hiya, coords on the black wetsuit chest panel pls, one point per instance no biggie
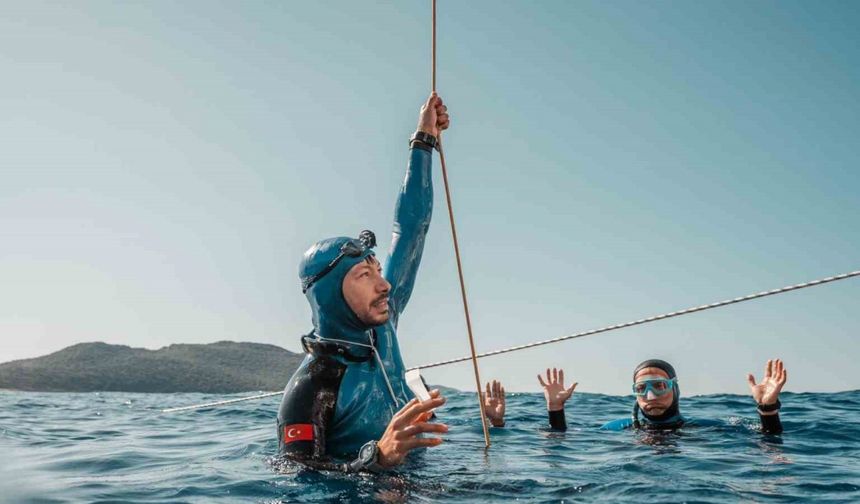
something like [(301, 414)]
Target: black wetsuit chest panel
[(309, 403)]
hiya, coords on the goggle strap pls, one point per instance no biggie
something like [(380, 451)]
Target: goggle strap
[(367, 240)]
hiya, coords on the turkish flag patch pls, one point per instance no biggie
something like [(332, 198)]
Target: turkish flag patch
[(298, 432)]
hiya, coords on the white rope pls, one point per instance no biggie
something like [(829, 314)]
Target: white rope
[(372, 348), (649, 319), (220, 403), (564, 338)]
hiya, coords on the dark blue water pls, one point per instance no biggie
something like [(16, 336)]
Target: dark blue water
[(117, 447)]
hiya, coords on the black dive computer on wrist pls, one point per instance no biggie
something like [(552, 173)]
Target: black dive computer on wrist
[(368, 459), (767, 408), (423, 140)]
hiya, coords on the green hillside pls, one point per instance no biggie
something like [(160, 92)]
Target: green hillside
[(222, 367)]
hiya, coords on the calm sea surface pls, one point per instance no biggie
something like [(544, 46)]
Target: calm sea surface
[(117, 447)]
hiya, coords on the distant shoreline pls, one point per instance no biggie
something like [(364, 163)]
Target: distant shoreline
[(224, 367)]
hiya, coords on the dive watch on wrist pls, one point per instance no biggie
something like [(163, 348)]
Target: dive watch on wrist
[(368, 459), (767, 408), (423, 140)]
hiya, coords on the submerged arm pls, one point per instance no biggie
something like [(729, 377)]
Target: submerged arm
[(770, 423), (557, 420), (306, 414)]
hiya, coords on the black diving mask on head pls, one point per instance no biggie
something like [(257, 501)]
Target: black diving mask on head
[(353, 248)]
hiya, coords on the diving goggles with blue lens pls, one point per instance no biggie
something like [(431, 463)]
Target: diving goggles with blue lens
[(657, 386), (352, 248)]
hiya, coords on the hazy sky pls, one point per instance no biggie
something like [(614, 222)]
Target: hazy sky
[(164, 165)]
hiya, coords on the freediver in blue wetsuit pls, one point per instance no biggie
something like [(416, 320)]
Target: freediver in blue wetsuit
[(349, 395), (655, 385)]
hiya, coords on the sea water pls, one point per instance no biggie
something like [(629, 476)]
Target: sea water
[(118, 447)]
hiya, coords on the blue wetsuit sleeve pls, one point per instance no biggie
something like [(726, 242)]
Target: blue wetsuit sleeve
[(702, 422), (411, 222), (618, 425)]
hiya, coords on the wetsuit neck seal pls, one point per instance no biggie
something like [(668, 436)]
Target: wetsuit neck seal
[(342, 348), (675, 421), (320, 347)]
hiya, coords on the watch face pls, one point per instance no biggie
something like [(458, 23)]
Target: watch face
[(366, 453)]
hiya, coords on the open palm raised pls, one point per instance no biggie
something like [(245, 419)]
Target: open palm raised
[(775, 376), (553, 389), (494, 403)]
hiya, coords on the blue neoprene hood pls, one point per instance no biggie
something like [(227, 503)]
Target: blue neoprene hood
[(332, 316)]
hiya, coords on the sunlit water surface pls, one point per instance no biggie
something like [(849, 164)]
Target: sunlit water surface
[(117, 447)]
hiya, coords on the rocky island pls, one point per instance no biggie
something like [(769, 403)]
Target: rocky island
[(222, 367)]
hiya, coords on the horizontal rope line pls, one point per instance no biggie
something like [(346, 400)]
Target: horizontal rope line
[(220, 403), (649, 319), (572, 336)]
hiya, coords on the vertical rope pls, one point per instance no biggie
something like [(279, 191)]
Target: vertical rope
[(457, 254), (433, 58)]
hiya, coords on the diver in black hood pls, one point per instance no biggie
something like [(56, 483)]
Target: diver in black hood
[(655, 385)]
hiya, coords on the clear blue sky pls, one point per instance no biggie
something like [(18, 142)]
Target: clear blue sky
[(165, 164)]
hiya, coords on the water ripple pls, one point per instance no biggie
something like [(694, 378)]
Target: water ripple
[(111, 447)]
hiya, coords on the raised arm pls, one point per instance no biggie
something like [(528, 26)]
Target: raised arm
[(494, 403), (414, 209), (766, 395), (556, 395)]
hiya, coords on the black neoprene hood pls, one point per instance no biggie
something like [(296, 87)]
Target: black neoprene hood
[(656, 363), (673, 410)]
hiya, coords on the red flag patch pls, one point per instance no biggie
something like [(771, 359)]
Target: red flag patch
[(298, 432)]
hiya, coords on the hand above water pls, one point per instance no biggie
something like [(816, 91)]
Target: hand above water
[(553, 389), (494, 403), (401, 435), (767, 392), (433, 117)]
